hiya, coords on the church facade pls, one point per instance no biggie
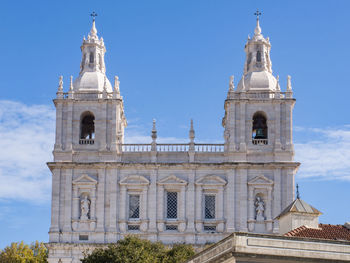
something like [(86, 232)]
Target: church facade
[(104, 189)]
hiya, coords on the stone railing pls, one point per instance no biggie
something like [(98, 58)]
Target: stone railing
[(264, 95), (86, 141), (175, 147), (260, 141), (136, 147), (85, 95)]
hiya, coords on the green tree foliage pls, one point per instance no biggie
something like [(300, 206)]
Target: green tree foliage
[(23, 253), (132, 249)]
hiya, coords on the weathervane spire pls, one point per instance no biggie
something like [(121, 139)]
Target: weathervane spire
[(298, 195), (93, 15), (257, 30)]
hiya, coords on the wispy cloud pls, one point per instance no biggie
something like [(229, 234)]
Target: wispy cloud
[(326, 155), (27, 137)]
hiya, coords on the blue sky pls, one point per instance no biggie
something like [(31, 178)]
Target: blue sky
[(174, 59)]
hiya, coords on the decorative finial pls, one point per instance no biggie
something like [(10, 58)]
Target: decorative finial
[(93, 15), (278, 88), (116, 84), (232, 85), (71, 84), (60, 84), (289, 83), (257, 13), (93, 31), (191, 133), (243, 85), (298, 195), (70, 92), (154, 131), (257, 30)]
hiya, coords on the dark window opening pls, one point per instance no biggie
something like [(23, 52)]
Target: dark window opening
[(258, 56), (87, 128), (91, 59), (171, 205), (259, 126)]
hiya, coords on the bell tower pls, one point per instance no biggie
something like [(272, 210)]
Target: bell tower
[(258, 115), (90, 124), (90, 116)]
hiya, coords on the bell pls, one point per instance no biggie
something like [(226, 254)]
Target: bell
[(259, 133)]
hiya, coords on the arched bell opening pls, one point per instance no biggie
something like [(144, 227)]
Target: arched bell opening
[(260, 129), (87, 128)]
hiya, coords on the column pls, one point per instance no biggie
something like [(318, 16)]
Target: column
[(268, 205), (102, 128), (242, 124), (278, 126), (152, 208), (144, 202), (55, 200), (100, 211), (68, 201), (232, 125), (289, 123), (75, 213), (230, 201), (251, 205), (113, 122), (289, 187), (198, 208), (160, 208), (69, 137), (113, 186), (277, 209), (242, 199), (190, 202), (122, 206), (182, 203), (93, 204), (277, 198), (58, 144)]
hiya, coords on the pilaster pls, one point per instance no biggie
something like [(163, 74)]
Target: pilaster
[(100, 207), (230, 200)]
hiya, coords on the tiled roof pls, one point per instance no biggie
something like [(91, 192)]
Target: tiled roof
[(299, 206), (331, 232)]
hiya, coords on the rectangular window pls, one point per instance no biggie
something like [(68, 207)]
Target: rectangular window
[(210, 228), (209, 206), (170, 227), (171, 205), (134, 206), (133, 227), (83, 237)]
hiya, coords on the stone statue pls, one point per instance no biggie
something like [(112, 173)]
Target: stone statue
[(85, 208), (259, 209), (232, 85)]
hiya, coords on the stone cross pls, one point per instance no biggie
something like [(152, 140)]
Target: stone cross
[(257, 13), (93, 15)]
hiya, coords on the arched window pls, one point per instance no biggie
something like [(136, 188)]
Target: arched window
[(91, 58), (87, 128), (258, 56), (249, 60), (259, 133)]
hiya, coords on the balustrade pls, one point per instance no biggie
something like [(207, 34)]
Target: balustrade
[(260, 141), (86, 141), (176, 147)]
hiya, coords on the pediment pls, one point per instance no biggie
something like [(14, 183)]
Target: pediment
[(211, 180), (134, 180), (85, 179), (172, 180), (260, 180)]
